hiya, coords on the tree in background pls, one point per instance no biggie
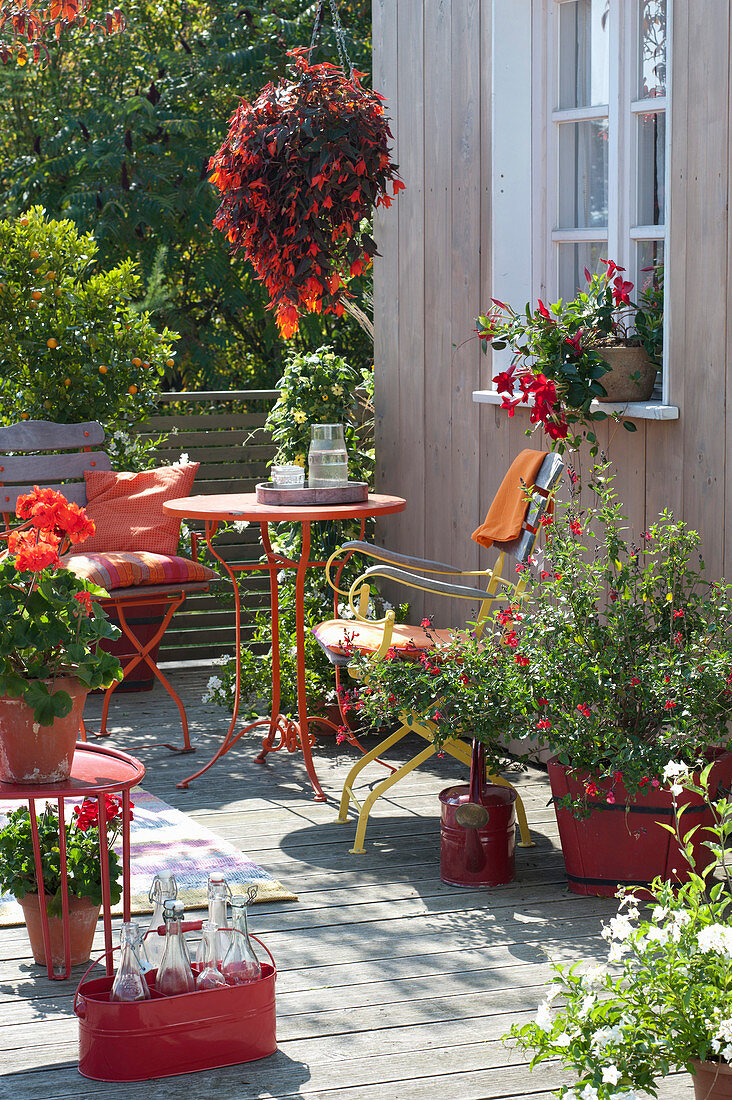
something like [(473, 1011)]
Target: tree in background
[(116, 135)]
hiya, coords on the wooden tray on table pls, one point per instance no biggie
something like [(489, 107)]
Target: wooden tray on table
[(352, 493)]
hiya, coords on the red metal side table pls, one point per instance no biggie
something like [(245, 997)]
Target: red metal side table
[(95, 772), (238, 507)]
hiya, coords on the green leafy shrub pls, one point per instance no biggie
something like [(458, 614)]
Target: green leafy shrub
[(73, 346)]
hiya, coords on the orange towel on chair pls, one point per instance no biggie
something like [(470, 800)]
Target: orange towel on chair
[(508, 510)]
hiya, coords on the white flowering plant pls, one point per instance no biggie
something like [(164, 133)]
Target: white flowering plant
[(663, 1000)]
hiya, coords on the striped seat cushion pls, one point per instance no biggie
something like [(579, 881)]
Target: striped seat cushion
[(124, 569), (335, 635)]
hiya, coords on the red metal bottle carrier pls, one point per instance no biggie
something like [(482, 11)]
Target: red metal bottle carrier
[(165, 1036)]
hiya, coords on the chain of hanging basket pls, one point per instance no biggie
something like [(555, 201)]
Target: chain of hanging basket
[(300, 172)]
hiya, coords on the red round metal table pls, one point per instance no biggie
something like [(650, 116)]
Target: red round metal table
[(95, 772), (244, 507)]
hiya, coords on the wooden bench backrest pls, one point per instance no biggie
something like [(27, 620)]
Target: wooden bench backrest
[(25, 461)]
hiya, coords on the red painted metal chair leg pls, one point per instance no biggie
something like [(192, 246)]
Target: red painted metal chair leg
[(143, 654)]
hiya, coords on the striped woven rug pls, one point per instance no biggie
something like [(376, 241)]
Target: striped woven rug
[(163, 838)]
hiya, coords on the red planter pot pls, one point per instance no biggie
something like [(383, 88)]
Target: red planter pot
[(83, 917), (31, 753), (624, 844), (712, 1081)]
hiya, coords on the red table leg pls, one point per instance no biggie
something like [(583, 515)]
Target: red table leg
[(230, 738)]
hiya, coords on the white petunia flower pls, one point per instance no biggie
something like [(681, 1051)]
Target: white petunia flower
[(588, 1002), (589, 1092), (610, 1075), (616, 952), (606, 1035), (716, 937), (543, 1017), (563, 1040), (595, 975), (240, 525)]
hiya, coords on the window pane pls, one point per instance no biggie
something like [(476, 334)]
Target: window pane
[(649, 257), (573, 259), (582, 174), (652, 48), (651, 169), (584, 54)]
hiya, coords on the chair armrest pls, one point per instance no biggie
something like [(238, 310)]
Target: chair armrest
[(395, 558), (429, 584)]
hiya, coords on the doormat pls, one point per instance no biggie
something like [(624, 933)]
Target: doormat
[(164, 839)]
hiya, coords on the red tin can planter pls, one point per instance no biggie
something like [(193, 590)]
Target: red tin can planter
[(169, 1036), (623, 844), (487, 858)]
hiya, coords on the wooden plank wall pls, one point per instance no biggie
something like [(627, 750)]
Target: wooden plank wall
[(434, 446)]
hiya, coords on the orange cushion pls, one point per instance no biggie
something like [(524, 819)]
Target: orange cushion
[(121, 569), (127, 508), (366, 637)]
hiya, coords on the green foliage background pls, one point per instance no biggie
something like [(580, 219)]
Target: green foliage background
[(116, 135)]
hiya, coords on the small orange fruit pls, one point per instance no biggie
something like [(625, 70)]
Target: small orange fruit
[(136, 362), (35, 254), (34, 305), (50, 275), (132, 390), (146, 366), (52, 343), (67, 381), (24, 221), (170, 362), (47, 404), (102, 369), (58, 292), (24, 416), (36, 295)]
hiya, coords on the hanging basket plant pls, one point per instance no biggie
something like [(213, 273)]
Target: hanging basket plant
[(300, 171)]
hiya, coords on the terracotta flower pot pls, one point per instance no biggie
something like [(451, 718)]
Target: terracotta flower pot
[(712, 1081), (83, 917), (31, 753), (632, 373), (622, 843)]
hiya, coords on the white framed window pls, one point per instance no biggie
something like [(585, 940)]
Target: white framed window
[(604, 140), (579, 149)]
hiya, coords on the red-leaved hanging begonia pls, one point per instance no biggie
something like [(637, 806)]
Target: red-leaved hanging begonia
[(300, 169), (26, 27)]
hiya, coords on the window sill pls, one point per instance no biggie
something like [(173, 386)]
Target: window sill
[(633, 410)]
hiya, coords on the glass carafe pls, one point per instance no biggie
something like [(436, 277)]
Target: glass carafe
[(129, 981), (174, 973), (218, 894), (210, 976), (327, 457), (241, 965), (164, 888)]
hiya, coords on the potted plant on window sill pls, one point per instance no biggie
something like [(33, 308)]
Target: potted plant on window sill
[(83, 873), (598, 347), (660, 1003), (628, 660), (49, 658)]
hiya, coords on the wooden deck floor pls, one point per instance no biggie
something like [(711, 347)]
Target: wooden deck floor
[(391, 985)]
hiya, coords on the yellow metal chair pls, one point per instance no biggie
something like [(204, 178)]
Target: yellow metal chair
[(376, 637)]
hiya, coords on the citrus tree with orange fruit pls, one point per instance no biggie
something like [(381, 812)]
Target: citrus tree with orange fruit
[(73, 344)]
